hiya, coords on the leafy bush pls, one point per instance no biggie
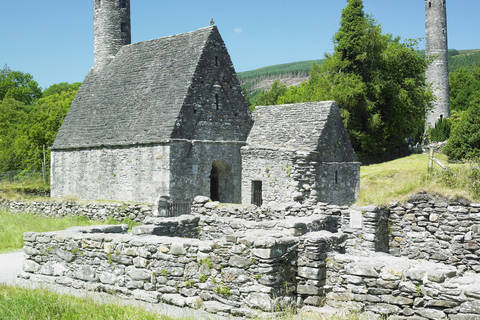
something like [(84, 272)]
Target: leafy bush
[(442, 129), (464, 142)]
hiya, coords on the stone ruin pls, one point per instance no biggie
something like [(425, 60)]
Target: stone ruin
[(417, 260)]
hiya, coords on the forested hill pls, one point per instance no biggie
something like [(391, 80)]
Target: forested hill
[(292, 74)]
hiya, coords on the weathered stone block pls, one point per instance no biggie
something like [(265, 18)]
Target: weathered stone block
[(86, 273), (175, 299), (361, 269), (312, 273), (470, 307)]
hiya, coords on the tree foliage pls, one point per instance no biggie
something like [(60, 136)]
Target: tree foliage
[(13, 116), (441, 131), (27, 122), (269, 97), (464, 88), (19, 86), (45, 120), (464, 142), (58, 88), (377, 80)]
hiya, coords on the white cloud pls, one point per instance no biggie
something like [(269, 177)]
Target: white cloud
[(238, 30)]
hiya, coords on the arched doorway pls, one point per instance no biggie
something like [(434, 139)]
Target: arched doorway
[(214, 195)]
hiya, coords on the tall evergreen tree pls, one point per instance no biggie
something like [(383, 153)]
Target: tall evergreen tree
[(349, 40), (377, 81)]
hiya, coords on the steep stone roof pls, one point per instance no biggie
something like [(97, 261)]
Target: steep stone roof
[(309, 126), (137, 97)]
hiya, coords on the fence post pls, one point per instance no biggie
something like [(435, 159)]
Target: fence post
[(44, 169), (430, 163)]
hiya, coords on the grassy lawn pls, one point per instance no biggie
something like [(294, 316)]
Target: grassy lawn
[(396, 180), (20, 303)]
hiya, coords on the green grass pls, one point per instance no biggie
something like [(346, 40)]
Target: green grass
[(21, 303), (396, 180), (12, 227), (21, 187)]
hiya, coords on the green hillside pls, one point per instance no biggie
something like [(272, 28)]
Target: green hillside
[(301, 69)]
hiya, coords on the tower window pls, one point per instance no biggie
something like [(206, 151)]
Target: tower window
[(124, 27), (257, 193), (98, 4), (336, 177), (216, 61), (429, 4), (217, 106), (122, 3)]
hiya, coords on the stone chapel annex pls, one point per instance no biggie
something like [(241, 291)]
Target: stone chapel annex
[(167, 117)]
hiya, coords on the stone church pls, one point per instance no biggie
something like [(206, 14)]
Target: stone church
[(167, 117)]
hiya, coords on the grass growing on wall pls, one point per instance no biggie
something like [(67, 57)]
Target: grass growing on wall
[(396, 180), (12, 227), (22, 303)]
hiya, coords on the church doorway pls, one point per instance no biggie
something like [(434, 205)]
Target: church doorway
[(221, 183)]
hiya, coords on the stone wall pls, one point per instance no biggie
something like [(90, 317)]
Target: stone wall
[(367, 229), (130, 173), (401, 288), (94, 211), (191, 164), (235, 274), (297, 176), (274, 169), (238, 259), (218, 220), (437, 229), (338, 182)]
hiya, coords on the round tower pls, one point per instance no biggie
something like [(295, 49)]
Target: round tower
[(111, 29), (436, 46)]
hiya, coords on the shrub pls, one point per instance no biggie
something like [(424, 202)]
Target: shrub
[(464, 142), (442, 129)]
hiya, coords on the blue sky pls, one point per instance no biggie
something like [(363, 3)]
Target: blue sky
[(53, 39)]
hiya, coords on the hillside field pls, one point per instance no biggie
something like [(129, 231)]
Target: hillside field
[(292, 74)]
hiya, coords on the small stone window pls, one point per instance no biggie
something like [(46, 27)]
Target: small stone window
[(216, 62), (217, 105), (257, 193), (124, 27), (336, 177), (122, 3), (98, 4), (429, 4)]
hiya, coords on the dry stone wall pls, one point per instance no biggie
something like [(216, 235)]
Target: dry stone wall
[(94, 211), (437, 229), (242, 260), (240, 272), (401, 288)]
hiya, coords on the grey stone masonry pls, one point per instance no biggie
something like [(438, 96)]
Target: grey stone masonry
[(437, 229), (400, 288), (253, 270), (217, 221), (94, 211), (154, 122), (436, 47), (111, 28), (244, 260), (300, 153), (149, 91)]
